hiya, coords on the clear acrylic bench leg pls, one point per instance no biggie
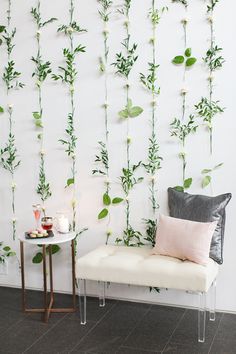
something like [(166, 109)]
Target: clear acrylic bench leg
[(202, 317), (82, 300), (212, 311), (101, 293)]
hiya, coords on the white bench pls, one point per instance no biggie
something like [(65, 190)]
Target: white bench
[(136, 266)]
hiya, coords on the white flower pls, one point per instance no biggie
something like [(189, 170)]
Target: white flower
[(210, 19), (152, 178), (105, 105), (184, 21), (14, 220), (38, 33), (74, 202), (126, 23), (184, 91), (127, 199), (152, 40), (129, 140), (109, 232), (10, 106), (210, 78), (13, 185), (72, 88), (107, 181), (105, 31), (70, 30), (154, 103), (42, 152)]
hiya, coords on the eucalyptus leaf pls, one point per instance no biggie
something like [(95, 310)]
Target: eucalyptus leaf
[(124, 113), (190, 61), (55, 249), (37, 115), (187, 183), (179, 188), (206, 181), (2, 29), (135, 111), (37, 258), (218, 166), (103, 214), (117, 200), (179, 59), (70, 181), (205, 171), (188, 52), (1, 109), (106, 199), (6, 248)]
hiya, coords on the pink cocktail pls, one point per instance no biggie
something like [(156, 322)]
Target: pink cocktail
[(37, 213)]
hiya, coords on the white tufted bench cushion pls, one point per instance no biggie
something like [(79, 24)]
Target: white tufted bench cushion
[(136, 266)]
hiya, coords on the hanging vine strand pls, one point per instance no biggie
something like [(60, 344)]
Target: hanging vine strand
[(68, 75), (8, 154), (102, 158), (41, 72), (124, 63), (208, 108), (153, 163), (181, 128)]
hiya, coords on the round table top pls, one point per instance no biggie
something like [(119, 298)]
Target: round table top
[(57, 238)]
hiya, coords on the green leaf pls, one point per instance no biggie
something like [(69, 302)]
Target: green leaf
[(106, 199), (179, 59), (37, 115), (206, 181), (190, 61), (205, 171), (11, 254), (6, 248), (218, 166), (117, 200), (188, 52), (187, 183), (55, 249), (129, 104), (38, 123), (103, 214), (179, 188), (124, 113), (1, 109), (2, 28), (70, 181), (135, 111), (1, 41), (37, 258)]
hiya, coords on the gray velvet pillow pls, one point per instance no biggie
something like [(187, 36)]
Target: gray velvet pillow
[(204, 209)]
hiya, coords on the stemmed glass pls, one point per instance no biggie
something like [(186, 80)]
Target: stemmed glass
[(37, 213)]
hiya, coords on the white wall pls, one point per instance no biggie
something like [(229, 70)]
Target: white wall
[(89, 97)]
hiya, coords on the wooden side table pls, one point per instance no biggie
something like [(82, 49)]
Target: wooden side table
[(48, 306)]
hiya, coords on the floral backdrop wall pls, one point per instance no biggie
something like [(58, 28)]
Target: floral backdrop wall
[(103, 106)]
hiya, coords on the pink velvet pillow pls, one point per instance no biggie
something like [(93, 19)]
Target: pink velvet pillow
[(184, 239)]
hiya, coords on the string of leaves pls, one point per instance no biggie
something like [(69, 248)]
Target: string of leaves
[(208, 108), (41, 73), (8, 154), (102, 158), (153, 164), (124, 63), (68, 75), (182, 128)]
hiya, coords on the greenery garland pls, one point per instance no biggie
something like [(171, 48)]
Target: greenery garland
[(153, 163), (68, 76), (102, 158), (124, 64), (208, 108), (8, 154), (182, 128), (41, 72)]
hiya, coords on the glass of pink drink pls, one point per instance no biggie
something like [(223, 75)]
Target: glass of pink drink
[(37, 213)]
